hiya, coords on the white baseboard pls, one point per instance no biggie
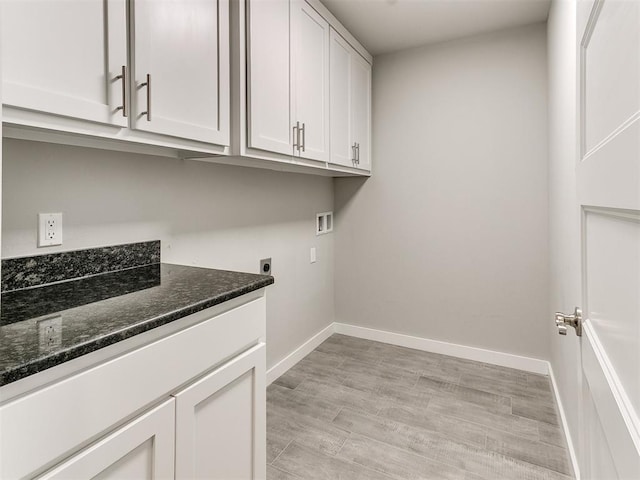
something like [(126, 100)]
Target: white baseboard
[(298, 354), (565, 426), (528, 364)]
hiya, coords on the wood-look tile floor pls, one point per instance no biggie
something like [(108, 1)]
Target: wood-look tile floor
[(357, 409)]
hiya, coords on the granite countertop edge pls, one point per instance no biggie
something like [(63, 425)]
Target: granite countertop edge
[(43, 363)]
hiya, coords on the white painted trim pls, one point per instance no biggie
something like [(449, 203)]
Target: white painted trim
[(528, 364), (298, 354), (565, 425), (509, 360), (623, 403)]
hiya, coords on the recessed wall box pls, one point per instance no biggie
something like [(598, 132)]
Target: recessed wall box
[(324, 223)]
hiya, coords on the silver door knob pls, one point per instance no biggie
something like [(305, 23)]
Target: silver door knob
[(574, 320)]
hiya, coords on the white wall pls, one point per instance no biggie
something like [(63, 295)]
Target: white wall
[(448, 239), (204, 214), (563, 210)]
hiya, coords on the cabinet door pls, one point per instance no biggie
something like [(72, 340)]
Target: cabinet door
[(181, 68), (310, 80), (65, 58), (268, 76), (144, 448), (342, 146), (221, 422), (361, 109)]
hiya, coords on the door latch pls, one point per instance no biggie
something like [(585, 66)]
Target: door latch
[(574, 320)]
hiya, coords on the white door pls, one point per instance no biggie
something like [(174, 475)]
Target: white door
[(142, 449), (221, 422), (181, 68), (608, 186), (65, 58), (342, 146), (310, 81), (268, 76), (361, 109)]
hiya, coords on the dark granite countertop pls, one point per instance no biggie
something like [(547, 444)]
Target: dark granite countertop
[(96, 311)]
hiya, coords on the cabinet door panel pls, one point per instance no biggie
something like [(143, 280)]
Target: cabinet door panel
[(63, 57), (310, 79), (142, 449), (340, 93), (221, 422), (361, 108), (268, 76), (184, 48)]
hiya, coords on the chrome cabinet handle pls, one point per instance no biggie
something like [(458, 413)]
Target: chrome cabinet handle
[(304, 138), (296, 136), (358, 153), (574, 320), (123, 77), (148, 85), (353, 151)]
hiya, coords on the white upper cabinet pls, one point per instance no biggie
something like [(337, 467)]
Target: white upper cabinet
[(342, 147), (350, 105), (287, 79), (360, 81), (181, 69), (262, 83), (65, 58), (158, 67), (268, 76), (309, 82)]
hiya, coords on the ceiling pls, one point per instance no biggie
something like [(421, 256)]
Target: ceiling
[(384, 26)]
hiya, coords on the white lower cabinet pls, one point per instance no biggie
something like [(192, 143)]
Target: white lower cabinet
[(214, 428), (188, 402), (143, 448), (220, 428)]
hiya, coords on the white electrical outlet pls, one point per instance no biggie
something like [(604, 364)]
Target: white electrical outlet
[(50, 333), (49, 229), (312, 255)]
